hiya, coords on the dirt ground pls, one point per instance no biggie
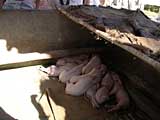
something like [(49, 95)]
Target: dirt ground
[(67, 107)]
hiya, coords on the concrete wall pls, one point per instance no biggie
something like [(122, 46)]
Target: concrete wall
[(39, 31)]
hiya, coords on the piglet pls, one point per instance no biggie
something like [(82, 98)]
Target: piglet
[(102, 93), (56, 71), (94, 62), (90, 94), (66, 75), (78, 85), (121, 95)]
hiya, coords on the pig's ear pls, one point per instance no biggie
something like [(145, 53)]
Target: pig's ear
[(61, 62), (116, 78)]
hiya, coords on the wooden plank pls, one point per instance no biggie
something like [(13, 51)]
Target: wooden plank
[(45, 58)]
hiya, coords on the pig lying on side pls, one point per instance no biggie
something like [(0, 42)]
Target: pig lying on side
[(56, 71), (94, 61), (78, 85), (99, 93), (90, 94), (121, 95), (102, 93), (66, 75)]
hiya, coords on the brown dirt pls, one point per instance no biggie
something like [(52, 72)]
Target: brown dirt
[(68, 107)]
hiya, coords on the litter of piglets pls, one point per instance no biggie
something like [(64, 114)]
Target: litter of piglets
[(86, 75)]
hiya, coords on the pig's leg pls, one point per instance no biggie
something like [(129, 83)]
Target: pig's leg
[(94, 103), (114, 108), (113, 91)]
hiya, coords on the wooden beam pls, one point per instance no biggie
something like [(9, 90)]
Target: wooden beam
[(30, 59)]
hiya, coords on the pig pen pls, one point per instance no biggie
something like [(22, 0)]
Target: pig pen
[(24, 33)]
